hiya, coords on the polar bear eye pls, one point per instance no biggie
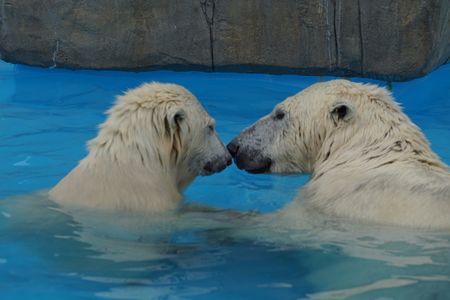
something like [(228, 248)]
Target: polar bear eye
[(279, 115), (211, 128)]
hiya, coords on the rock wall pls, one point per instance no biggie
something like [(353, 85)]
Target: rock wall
[(385, 39)]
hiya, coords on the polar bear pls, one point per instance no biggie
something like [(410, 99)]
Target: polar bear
[(156, 139), (367, 160)]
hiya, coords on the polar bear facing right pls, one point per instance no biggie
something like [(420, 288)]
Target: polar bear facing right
[(367, 160), (156, 140)]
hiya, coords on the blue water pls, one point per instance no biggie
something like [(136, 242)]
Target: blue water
[(46, 117)]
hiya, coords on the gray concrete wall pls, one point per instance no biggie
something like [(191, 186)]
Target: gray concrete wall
[(385, 39)]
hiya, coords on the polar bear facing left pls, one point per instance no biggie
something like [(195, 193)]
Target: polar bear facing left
[(368, 161), (156, 139)]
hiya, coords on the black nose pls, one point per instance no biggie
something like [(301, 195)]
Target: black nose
[(233, 148), (208, 167)]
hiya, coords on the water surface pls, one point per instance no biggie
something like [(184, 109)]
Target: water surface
[(46, 117)]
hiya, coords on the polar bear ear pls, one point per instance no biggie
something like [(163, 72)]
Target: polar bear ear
[(175, 118), (172, 124), (341, 111)]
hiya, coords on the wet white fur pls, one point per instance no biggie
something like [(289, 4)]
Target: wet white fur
[(142, 158), (375, 165)]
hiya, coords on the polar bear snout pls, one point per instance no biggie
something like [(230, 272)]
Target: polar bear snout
[(250, 149), (233, 147), (247, 158), (216, 165), (213, 157)]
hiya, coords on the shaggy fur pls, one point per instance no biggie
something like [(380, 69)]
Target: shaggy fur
[(156, 140), (368, 161)]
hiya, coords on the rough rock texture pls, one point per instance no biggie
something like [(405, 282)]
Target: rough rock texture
[(392, 40), (104, 34)]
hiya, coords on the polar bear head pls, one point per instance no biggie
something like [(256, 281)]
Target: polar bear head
[(164, 128), (325, 118)]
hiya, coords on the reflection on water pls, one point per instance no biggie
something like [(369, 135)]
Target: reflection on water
[(215, 254), (192, 254), (51, 252)]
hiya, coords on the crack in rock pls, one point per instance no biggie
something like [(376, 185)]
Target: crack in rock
[(324, 6), (55, 54), (361, 41), (337, 24), (209, 9)]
